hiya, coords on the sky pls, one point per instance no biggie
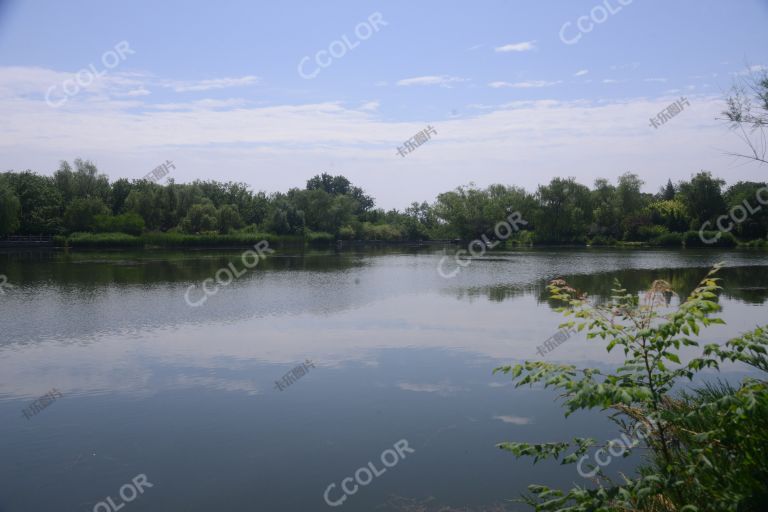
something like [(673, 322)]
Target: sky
[(271, 93)]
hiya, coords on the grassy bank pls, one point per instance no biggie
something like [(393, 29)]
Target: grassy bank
[(120, 240), (320, 239)]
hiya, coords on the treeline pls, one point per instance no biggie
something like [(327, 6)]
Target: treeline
[(78, 199)]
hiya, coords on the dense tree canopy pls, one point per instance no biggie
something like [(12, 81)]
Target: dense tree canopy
[(77, 198)]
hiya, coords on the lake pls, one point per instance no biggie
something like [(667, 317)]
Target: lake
[(381, 347)]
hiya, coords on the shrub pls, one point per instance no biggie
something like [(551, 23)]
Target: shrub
[(380, 232), (347, 233), (103, 240), (600, 240), (719, 239), (705, 450), (646, 233), (130, 223), (668, 240), (523, 238), (207, 239), (319, 237), (759, 243)]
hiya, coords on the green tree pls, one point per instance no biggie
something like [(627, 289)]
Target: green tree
[(10, 210), (228, 218), (85, 181), (607, 216), (146, 200), (565, 211), (41, 203), (81, 213), (201, 217), (120, 190), (339, 185), (703, 198), (668, 192), (671, 214), (744, 194)]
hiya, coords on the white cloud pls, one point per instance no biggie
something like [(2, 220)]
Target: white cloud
[(215, 83), (442, 388), (370, 106), (755, 68), (227, 138), (442, 80), (524, 85), (581, 72), (514, 420), (525, 46), (204, 104), (141, 91)]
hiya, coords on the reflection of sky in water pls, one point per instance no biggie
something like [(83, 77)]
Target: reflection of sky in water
[(187, 395)]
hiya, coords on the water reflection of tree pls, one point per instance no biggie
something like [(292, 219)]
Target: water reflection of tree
[(747, 284), (100, 269), (498, 293)]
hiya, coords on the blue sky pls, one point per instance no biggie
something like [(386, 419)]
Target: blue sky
[(215, 88)]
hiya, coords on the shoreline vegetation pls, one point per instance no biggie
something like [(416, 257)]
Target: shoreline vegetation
[(323, 240), (79, 207)]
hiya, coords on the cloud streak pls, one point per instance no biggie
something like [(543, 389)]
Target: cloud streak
[(215, 83), (533, 84), (441, 80), (525, 46)]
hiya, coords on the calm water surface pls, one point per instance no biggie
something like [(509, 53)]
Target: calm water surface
[(187, 395)]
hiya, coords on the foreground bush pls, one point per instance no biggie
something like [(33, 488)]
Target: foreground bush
[(706, 450)]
